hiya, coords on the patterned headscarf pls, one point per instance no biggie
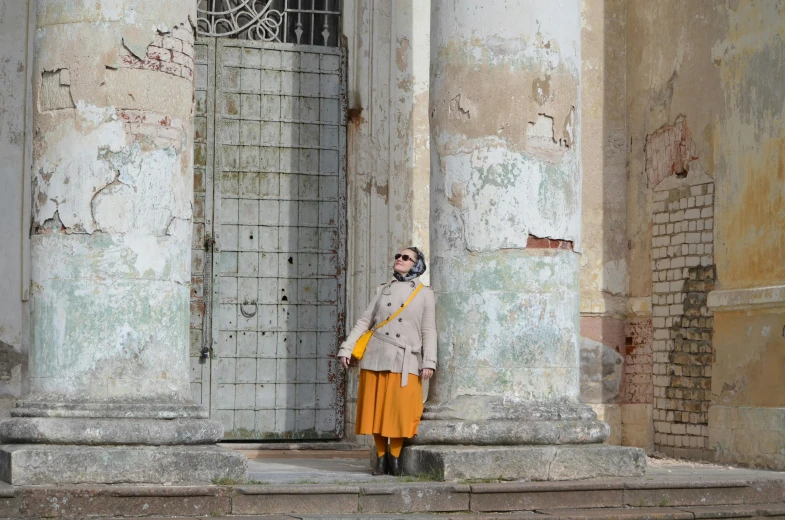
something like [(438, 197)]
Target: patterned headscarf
[(417, 269)]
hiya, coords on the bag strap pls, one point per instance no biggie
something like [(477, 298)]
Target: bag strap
[(396, 313)]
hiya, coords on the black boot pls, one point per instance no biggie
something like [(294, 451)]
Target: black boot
[(381, 466), (395, 466)]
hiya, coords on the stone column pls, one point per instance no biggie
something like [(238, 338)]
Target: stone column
[(505, 248), (111, 239)]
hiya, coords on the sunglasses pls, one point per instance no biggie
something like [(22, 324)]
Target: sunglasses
[(405, 258)]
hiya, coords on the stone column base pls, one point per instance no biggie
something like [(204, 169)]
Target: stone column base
[(47, 464), (563, 462)]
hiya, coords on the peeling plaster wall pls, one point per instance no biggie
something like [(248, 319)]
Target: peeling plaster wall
[(718, 68), (388, 145), (505, 121), (14, 312), (112, 200)]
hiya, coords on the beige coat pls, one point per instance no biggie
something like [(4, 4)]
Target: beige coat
[(405, 345)]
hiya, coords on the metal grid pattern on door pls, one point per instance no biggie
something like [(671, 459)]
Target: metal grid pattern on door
[(279, 260)]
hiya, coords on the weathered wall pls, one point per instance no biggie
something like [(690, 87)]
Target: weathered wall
[(112, 201), (604, 153), (604, 276), (388, 171), (505, 214), (14, 148), (716, 70)]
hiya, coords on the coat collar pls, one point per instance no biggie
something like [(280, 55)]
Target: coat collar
[(413, 283)]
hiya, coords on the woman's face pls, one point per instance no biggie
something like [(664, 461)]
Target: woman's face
[(404, 266)]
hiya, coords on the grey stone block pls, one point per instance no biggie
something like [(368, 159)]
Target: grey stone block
[(496, 433), (265, 500), (108, 409), (37, 464), (649, 513), (707, 494), (124, 501), (153, 432), (504, 498), (414, 498), (500, 408), (566, 462)]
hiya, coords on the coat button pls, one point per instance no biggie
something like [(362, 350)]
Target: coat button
[(401, 305), (387, 333), (389, 304), (397, 335), (400, 319)]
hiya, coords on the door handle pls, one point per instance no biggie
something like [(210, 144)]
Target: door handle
[(251, 313)]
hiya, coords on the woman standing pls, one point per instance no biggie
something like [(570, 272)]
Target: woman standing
[(389, 401)]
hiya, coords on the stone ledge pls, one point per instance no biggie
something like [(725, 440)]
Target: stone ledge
[(309, 489), (150, 432), (311, 503), (108, 410), (647, 513), (747, 299), (412, 498), (712, 493), (41, 464), (710, 498), (495, 433), (565, 462)]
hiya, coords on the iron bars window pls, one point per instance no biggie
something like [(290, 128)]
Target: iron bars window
[(305, 22)]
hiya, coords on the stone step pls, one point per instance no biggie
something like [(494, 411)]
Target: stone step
[(754, 512), (613, 498)]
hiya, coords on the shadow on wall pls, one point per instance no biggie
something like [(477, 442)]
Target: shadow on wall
[(388, 158), (13, 365)]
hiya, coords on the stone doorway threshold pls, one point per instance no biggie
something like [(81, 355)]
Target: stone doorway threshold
[(308, 463)]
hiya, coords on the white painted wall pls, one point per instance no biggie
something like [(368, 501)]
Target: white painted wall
[(14, 155)]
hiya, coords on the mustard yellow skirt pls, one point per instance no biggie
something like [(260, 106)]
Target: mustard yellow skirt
[(386, 408)]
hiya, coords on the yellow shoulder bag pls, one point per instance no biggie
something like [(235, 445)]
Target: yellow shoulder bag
[(362, 343)]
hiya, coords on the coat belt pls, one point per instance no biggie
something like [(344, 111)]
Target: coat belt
[(407, 354)]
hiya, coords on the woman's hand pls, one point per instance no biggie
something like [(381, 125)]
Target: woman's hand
[(344, 361), (427, 373)]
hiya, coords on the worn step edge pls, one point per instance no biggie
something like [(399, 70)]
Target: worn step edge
[(737, 511), (125, 491), (562, 486), (631, 513), (699, 484), (297, 490), (392, 489)]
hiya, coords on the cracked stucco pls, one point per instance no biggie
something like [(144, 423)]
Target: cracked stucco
[(505, 162), (504, 112), (112, 206)]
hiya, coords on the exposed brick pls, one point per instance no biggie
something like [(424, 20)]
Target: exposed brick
[(682, 351), (548, 243)]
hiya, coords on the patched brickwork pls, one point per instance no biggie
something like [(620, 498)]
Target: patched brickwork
[(534, 242), (683, 274), (161, 130), (171, 53), (638, 384), (669, 151)]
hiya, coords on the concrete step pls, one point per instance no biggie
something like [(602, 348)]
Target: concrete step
[(762, 511), (672, 497)]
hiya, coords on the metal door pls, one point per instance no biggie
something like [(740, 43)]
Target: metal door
[(278, 262)]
